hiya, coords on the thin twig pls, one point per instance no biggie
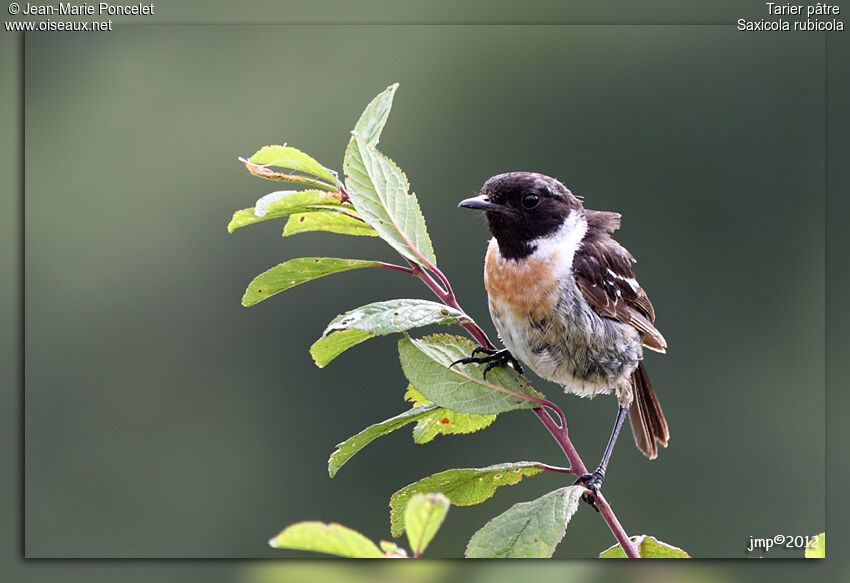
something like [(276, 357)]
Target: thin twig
[(557, 430), (557, 469), (396, 267), (616, 528)]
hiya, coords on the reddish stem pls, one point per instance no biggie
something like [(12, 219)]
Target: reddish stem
[(616, 528), (448, 297), (558, 431), (577, 467), (396, 267), (556, 469)]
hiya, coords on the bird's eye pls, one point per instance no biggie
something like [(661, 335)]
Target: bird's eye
[(530, 201)]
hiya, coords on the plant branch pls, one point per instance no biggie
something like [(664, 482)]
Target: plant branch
[(343, 191), (578, 468), (556, 469), (616, 528), (396, 267), (447, 296), (426, 277), (557, 430)]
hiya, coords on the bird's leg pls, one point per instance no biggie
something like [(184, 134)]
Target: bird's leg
[(493, 359), (593, 482)]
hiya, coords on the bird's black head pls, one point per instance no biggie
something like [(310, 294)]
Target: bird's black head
[(521, 207)]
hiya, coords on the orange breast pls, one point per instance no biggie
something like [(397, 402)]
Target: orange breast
[(528, 287)]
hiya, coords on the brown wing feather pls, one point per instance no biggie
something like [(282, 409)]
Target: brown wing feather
[(603, 271)]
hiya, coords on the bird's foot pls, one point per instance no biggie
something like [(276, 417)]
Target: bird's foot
[(493, 359), (592, 482)]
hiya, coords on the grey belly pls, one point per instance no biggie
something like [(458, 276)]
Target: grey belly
[(585, 353)]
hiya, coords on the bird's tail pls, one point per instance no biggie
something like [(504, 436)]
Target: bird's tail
[(645, 416)]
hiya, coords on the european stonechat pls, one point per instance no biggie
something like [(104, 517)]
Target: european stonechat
[(565, 301)]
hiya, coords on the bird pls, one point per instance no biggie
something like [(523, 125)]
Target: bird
[(565, 301)]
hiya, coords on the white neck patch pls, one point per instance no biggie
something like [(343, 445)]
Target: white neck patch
[(563, 243)]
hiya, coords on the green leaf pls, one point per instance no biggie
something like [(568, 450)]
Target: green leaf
[(528, 530), (444, 421), (379, 319), (334, 222), (378, 189), (373, 118), (287, 202), (326, 349), (269, 174), (818, 548), (463, 487), (392, 550), (424, 516), (296, 271), (426, 363), (333, 539), (649, 547), (293, 159), (348, 448)]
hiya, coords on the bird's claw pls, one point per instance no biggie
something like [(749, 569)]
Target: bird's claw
[(493, 359), (592, 482)]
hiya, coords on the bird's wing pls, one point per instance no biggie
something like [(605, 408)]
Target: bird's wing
[(603, 271)]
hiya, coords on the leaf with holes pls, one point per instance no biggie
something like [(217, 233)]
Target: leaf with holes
[(648, 547), (528, 530), (379, 319), (292, 159), (463, 487), (372, 120), (332, 539), (427, 364), (295, 272), (379, 191), (424, 516), (444, 421), (348, 448), (330, 221), (287, 202)]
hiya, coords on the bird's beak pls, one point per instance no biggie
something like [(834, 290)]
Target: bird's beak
[(481, 203)]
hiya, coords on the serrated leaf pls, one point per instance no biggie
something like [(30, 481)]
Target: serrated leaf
[(286, 202), (379, 319), (424, 515), (379, 191), (817, 550), (293, 159), (333, 539), (348, 448), (426, 363), (330, 221), (444, 421), (463, 487), (297, 271), (648, 547), (372, 120), (528, 530)]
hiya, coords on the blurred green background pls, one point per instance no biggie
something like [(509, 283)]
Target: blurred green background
[(165, 420)]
